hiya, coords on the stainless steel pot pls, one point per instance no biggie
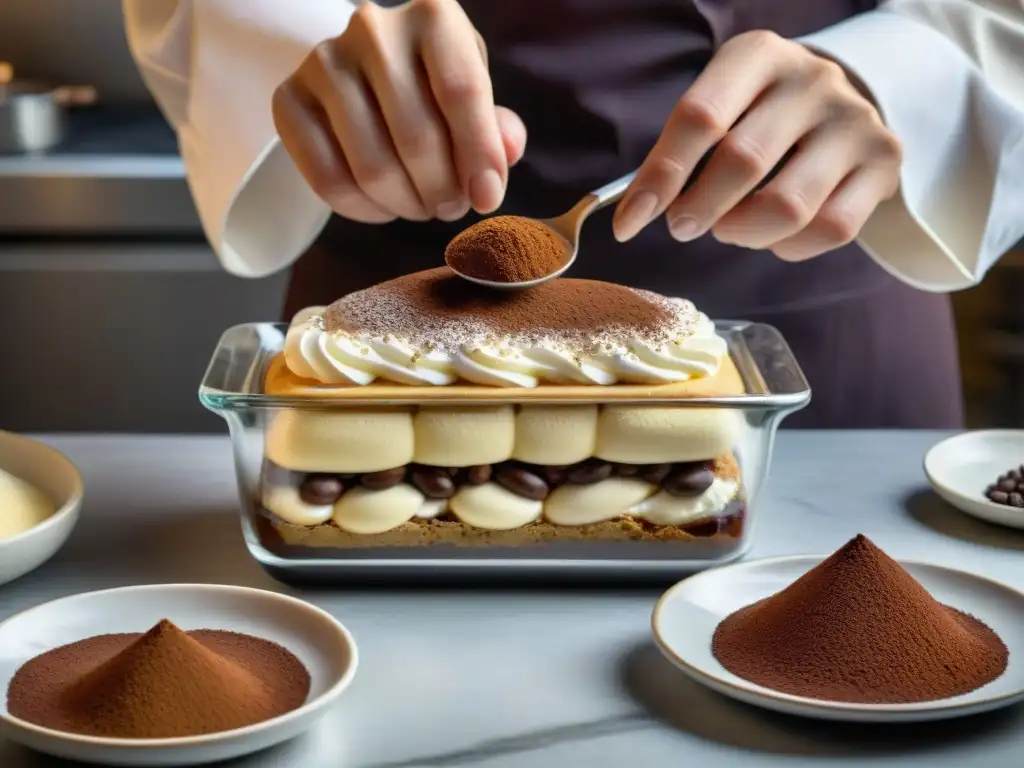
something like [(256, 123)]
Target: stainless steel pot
[(33, 115)]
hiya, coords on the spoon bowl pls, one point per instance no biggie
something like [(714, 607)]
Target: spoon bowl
[(567, 227)]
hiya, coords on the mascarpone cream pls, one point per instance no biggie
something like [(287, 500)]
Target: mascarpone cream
[(424, 332)]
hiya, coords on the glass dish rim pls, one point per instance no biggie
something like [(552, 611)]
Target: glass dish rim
[(234, 376)]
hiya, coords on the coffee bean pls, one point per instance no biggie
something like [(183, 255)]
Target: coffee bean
[(690, 479), (1008, 485), (556, 475), (321, 489), (589, 472), (522, 483), (1016, 500), (479, 474), (433, 482), (999, 497), (1015, 474), (655, 473), (386, 478), (627, 470)]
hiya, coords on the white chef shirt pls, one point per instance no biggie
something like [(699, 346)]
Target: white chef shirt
[(947, 76)]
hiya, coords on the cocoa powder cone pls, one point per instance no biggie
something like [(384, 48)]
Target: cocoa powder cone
[(165, 683), (132, 692), (859, 628)]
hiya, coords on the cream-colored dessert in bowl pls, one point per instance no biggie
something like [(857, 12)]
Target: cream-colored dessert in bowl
[(459, 415)]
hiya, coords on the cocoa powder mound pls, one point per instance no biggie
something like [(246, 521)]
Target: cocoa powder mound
[(507, 249), (164, 684), (859, 628)]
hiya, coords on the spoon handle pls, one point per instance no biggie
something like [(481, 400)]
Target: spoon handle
[(611, 192)]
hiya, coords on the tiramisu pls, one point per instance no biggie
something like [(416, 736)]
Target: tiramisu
[(459, 415)]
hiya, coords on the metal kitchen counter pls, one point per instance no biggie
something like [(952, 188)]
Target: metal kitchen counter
[(537, 679)]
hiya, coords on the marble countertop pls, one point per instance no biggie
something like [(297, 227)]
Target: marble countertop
[(510, 679)]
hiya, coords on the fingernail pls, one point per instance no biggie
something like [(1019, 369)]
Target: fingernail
[(486, 191), (452, 210), (684, 228), (634, 215)]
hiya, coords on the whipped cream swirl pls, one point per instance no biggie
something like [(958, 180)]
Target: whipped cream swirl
[(341, 357)]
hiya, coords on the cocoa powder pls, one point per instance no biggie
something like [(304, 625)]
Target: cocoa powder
[(429, 302), (507, 249), (859, 628), (165, 683)]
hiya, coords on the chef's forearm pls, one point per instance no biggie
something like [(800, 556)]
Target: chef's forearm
[(212, 65), (948, 77)]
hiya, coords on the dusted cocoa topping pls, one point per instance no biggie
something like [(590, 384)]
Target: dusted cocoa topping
[(437, 307), (1008, 489), (859, 628), (507, 249), (164, 684)]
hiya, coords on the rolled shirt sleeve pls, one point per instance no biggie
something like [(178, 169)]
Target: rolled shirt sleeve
[(948, 78), (212, 66)]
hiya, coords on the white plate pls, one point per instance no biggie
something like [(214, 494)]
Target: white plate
[(960, 468), (314, 636), (685, 618), (52, 473)]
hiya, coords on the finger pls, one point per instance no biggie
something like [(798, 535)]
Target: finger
[(360, 128), (743, 159), (461, 85), (737, 75), (417, 129), (306, 135), (787, 204), (841, 218), (513, 134)]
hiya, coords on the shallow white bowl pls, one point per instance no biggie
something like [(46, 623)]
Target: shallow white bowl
[(323, 645), (52, 473), (960, 468), (686, 616)]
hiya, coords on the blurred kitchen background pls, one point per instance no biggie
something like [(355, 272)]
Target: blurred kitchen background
[(111, 301)]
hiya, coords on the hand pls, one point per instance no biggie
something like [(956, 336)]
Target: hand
[(760, 98), (395, 118)]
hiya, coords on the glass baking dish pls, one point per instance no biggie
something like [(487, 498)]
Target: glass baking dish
[(702, 513)]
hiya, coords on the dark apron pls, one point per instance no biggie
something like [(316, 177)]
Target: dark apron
[(594, 81)]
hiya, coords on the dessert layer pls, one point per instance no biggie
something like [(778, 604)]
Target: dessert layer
[(280, 381), (506, 496), (433, 328), (361, 439), (426, 533)]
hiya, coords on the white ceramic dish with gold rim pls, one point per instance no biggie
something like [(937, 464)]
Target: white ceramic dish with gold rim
[(320, 642), (51, 472), (686, 616)]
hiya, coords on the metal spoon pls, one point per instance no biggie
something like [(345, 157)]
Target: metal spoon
[(567, 227)]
